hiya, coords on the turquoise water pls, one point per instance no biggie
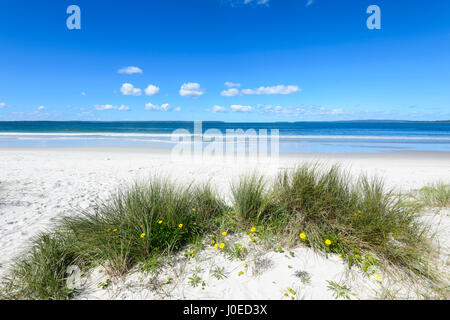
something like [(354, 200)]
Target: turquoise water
[(296, 137)]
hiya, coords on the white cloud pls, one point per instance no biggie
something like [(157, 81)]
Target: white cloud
[(130, 70), (83, 93), (151, 90), (240, 108), (123, 108), (129, 90), (279, 89), (217, 109), (191, 89), (232, 84), (2, 104), (41, 108), (309, 2), (177, 109), (230, 92), (164, 107), (111, 107)]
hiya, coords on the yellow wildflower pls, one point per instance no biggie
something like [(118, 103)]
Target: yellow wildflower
[(216, 245), (222, 245), (180, 225), (377, 277), (242, 250), (160, 221), (302, 235), (224, 233), (253, 229), (195, 223), (143, 235), (109, 229), (193, 209), (245, 265), (114, 230), (327, 242)]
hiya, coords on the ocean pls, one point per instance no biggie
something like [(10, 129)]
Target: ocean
[(294, 137)]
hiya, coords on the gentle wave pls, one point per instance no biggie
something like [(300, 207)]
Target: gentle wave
[(169, 136)]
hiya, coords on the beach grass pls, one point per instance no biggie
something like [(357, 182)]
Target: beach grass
[(314, 205), (361, 220), (40, 273), (147, 220), (435, 195)]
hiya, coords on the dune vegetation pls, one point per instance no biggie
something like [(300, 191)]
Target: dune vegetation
[(322, 208), (435, 195)]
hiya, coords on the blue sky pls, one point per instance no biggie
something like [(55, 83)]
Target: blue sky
[(230, 60)]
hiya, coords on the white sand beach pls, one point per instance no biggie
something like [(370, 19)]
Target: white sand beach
[(38, 186)]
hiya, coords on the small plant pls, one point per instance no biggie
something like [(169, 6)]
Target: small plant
[(104, 285), (304, 276), (339, 291), (237, 252), (306, 279), (189, 253), (151, 265), (194, 280), (219, 273), (278, 249)]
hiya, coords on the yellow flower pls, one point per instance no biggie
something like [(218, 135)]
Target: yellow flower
[(242, 250), (109, 229), (216, 245), (222, 245), (302, 235), (245, 265), (193, 209), (142, 235), (355, 214), (114, 230), (180, 225), (359, 211), (377, 277), (253, 229), (224, 233), (340, 257), (195, 223), (160, 221), (327, 242)]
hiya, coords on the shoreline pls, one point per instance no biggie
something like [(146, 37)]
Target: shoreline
[(167, 150)]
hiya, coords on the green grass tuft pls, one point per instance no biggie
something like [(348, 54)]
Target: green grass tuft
[(361, 219), (40, 273), (144, 221), (435, 195)]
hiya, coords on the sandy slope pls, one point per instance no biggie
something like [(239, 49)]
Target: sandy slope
[(39, 185)]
